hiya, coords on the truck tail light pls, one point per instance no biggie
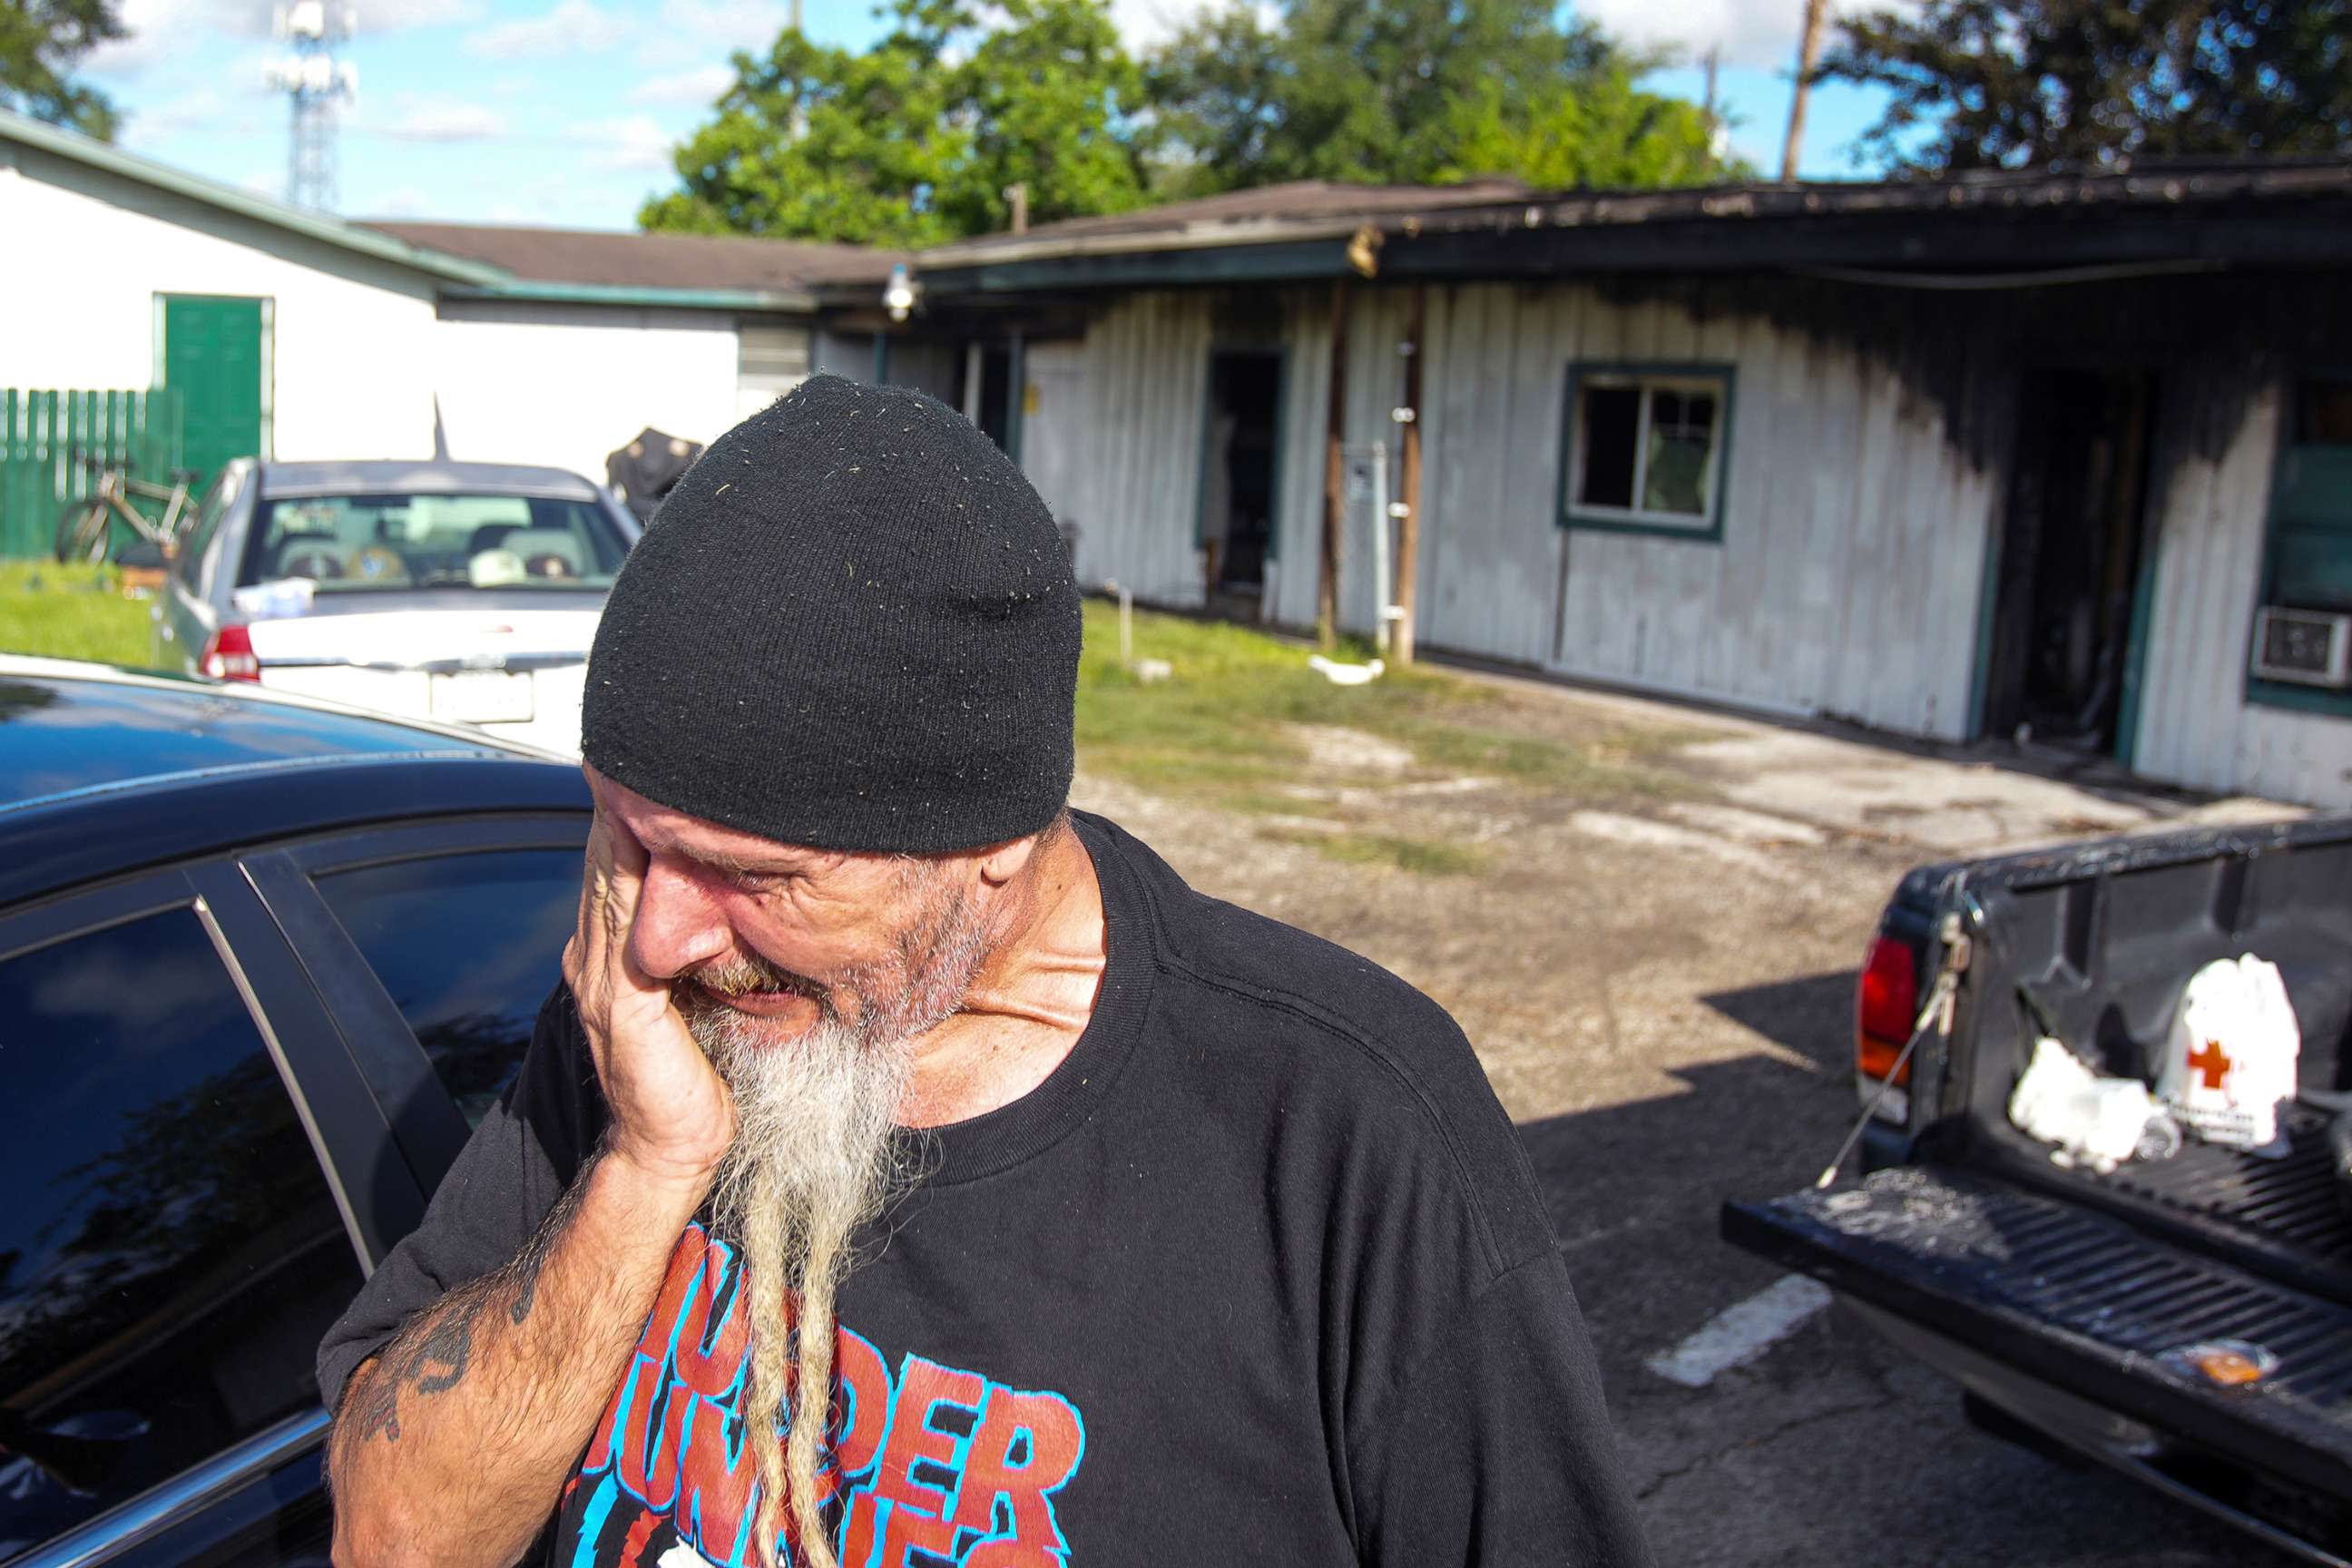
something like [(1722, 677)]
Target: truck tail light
[(228, 656), (1885, 1006)]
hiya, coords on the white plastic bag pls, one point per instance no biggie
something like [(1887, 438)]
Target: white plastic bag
[(2099, 1121), (2229, 1061)]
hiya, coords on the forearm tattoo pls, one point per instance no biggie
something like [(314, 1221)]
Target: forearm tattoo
[(435, 1363), (436, 1360)]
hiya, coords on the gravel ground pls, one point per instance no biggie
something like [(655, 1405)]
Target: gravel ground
[(1660, 987)]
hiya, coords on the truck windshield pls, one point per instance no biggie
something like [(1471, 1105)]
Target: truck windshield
[(358, 543)]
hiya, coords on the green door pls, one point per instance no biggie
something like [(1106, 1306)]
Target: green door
[(213, 357)]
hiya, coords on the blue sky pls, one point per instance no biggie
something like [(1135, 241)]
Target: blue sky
[(563, 111)]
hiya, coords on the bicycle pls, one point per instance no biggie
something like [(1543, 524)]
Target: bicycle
[(83, 528)]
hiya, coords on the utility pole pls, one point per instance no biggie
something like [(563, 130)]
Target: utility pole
[(1716, 139), (1335, 479), (1809, 49), (1408, 415), (1017, 193), (314, 81)]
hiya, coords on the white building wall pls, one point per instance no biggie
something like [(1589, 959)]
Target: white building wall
[(1846, 579), (565, 384), (2213, 513), (87, 254)]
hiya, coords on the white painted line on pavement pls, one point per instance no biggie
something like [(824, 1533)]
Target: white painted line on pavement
[(1741, 1331)]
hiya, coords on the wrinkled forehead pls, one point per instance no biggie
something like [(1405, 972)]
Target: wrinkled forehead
[(665, 830)]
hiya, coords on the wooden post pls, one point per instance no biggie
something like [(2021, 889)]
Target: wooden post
[(1409, 488), (1335, 479), (1809, 49)]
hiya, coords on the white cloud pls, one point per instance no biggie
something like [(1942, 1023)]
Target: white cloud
[(237, 100), (697, 87), (572, 28), (167, 31), (634, 142), (398, 16), (448, 120), (1748, 33), (697, 32), (1144, 23), (162, 30)]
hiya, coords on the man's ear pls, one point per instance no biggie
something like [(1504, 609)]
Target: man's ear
[(1005, 861)]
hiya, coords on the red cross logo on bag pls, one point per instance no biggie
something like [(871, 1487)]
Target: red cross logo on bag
[(2211, 1061)]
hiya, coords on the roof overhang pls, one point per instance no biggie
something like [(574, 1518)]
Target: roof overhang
[(2282, 216), (773, 301)]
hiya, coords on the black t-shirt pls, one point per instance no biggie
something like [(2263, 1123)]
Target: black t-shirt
[(1259, 1273)]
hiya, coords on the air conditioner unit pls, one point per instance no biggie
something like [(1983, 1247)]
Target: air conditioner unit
[(2310, 648)]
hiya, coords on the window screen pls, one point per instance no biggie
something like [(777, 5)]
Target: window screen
[(1645, 449), (770, 361), (468, 946), (2311, 516), (169, 1253)]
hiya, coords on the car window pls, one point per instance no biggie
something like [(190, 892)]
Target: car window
[(169, 1253), (468, 946), (354, 543)]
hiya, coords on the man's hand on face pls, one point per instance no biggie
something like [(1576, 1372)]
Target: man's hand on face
[(672, 1117)]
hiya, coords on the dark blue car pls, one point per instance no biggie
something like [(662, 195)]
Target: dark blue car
[(263, 963)]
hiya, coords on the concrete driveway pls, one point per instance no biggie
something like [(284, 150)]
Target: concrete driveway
[(1660, 984)]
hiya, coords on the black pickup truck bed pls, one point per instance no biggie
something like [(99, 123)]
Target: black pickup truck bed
[(2059, 1297)]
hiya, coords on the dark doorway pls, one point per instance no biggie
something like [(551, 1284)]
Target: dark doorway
[(995, 412), (2070, 559), (1238, 473)]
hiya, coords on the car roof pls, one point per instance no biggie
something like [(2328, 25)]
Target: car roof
[(379, 476), (103, 770), (68, 728)]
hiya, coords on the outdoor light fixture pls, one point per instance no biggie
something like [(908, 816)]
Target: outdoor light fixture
[(900, 295)]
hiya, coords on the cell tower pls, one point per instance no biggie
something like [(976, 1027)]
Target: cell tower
[(317, 82)]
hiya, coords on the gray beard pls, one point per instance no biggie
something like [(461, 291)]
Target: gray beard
[(816, 1155)]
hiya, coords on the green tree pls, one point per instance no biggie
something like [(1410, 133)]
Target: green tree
[(1981, 84), (1416, 91), (41, 41), (913, 141)]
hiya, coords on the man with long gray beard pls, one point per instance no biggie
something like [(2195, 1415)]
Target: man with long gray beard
[(911, 1171)]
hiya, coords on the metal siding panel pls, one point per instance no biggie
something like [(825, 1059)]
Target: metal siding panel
[(1530, 459), (1564, 327), (2208, 734), (1480, 577), (1857, 649), (1303, 434), (1450, 384), (1684, 572), (1589, 646), (1832, 402)]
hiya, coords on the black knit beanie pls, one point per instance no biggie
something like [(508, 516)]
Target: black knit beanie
[(852, 625)]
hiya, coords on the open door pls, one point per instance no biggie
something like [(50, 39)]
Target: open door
[(1240, 472), (2069, 560)]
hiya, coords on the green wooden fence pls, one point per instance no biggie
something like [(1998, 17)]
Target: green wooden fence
[(45, 435)]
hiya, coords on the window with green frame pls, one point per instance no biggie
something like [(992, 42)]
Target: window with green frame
[(1646, 448), (2308, 562)]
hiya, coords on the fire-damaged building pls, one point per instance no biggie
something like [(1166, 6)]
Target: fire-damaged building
[(2061, 459)]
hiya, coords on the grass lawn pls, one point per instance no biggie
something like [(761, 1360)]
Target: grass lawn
[(70, 612), (1222, 731)]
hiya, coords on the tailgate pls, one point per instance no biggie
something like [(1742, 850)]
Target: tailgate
[(2079, 1300)]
